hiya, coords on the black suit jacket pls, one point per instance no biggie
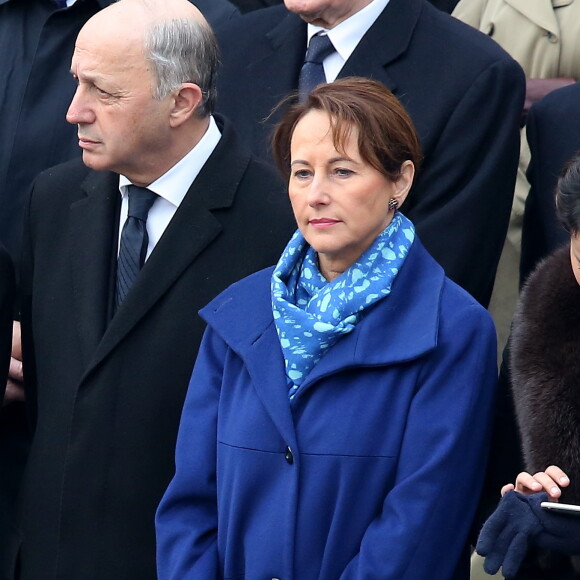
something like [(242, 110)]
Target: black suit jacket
[(463, 92), (553, 131), (107, 395)]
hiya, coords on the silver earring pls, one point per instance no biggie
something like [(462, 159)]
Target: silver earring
[(393, 204)]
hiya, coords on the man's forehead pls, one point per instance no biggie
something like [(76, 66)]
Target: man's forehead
[(98, 58)]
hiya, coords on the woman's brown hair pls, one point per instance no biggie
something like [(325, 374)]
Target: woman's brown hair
[(386, 134)]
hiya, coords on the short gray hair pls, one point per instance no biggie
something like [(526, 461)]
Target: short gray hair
[(184, 50)]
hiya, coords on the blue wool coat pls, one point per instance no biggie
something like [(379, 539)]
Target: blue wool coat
[(373, 471)]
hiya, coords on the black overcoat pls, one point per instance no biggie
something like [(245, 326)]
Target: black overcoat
[(106, 395)]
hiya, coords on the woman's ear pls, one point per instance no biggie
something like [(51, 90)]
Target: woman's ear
[(185, 103), (404, 183)]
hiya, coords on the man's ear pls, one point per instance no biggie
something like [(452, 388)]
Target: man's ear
[(185, 102)]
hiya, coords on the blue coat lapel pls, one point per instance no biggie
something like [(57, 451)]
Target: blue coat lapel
[(242, 316)]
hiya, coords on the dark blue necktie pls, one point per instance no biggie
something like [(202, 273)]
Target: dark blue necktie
[(134, 240), (312, 72)]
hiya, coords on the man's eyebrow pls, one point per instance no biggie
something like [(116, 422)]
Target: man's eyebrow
[(88, 76)]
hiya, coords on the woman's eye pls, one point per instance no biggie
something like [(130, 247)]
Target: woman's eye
[(342, 172), (302, 174)]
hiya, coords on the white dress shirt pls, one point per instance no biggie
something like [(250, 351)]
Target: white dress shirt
[(171, 187), (346, 36)]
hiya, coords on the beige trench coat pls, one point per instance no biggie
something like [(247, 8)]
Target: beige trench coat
[(544, 37)]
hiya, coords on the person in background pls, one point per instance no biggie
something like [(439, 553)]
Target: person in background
[(462, 91), (544, 37), (121, 248), (520, 524), (553, 136), (337, 394), (545, 374)]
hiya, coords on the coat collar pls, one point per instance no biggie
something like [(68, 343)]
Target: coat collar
[(400, 328), (386, 40), (193, 227), (540, 13), (406, 321)]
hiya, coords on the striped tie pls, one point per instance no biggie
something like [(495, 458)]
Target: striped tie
[(312, 72), (134, 240)]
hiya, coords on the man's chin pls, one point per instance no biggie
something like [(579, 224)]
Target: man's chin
[(93, 161)]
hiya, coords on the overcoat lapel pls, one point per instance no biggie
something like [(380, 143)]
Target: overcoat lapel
[(265, 364), (540, 13), (385, 41), (94, 222), (190, 232), (253, 337), (279, 65)]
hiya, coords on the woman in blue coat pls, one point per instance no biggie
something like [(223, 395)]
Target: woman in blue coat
[(339, 397)]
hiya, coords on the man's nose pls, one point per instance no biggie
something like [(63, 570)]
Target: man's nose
[(79, 111)]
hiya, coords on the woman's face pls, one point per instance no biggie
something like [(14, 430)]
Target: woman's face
[(340, 202), (575, 255)]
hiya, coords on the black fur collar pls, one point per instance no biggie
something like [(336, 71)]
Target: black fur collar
[(546, 369)]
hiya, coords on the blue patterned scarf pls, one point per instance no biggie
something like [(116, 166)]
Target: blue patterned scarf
[(311, 314)]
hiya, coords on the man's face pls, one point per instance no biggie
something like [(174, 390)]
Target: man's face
[(121, 127), (325, 13)]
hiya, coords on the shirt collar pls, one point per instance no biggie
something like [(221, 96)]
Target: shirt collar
[(346, 35), (174, 184)]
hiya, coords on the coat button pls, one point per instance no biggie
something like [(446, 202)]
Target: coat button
[(288, 456), (551, 37)]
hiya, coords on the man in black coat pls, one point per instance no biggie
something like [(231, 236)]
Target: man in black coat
[(106, 370), (463, 92), (36, 42), (553, 131)]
